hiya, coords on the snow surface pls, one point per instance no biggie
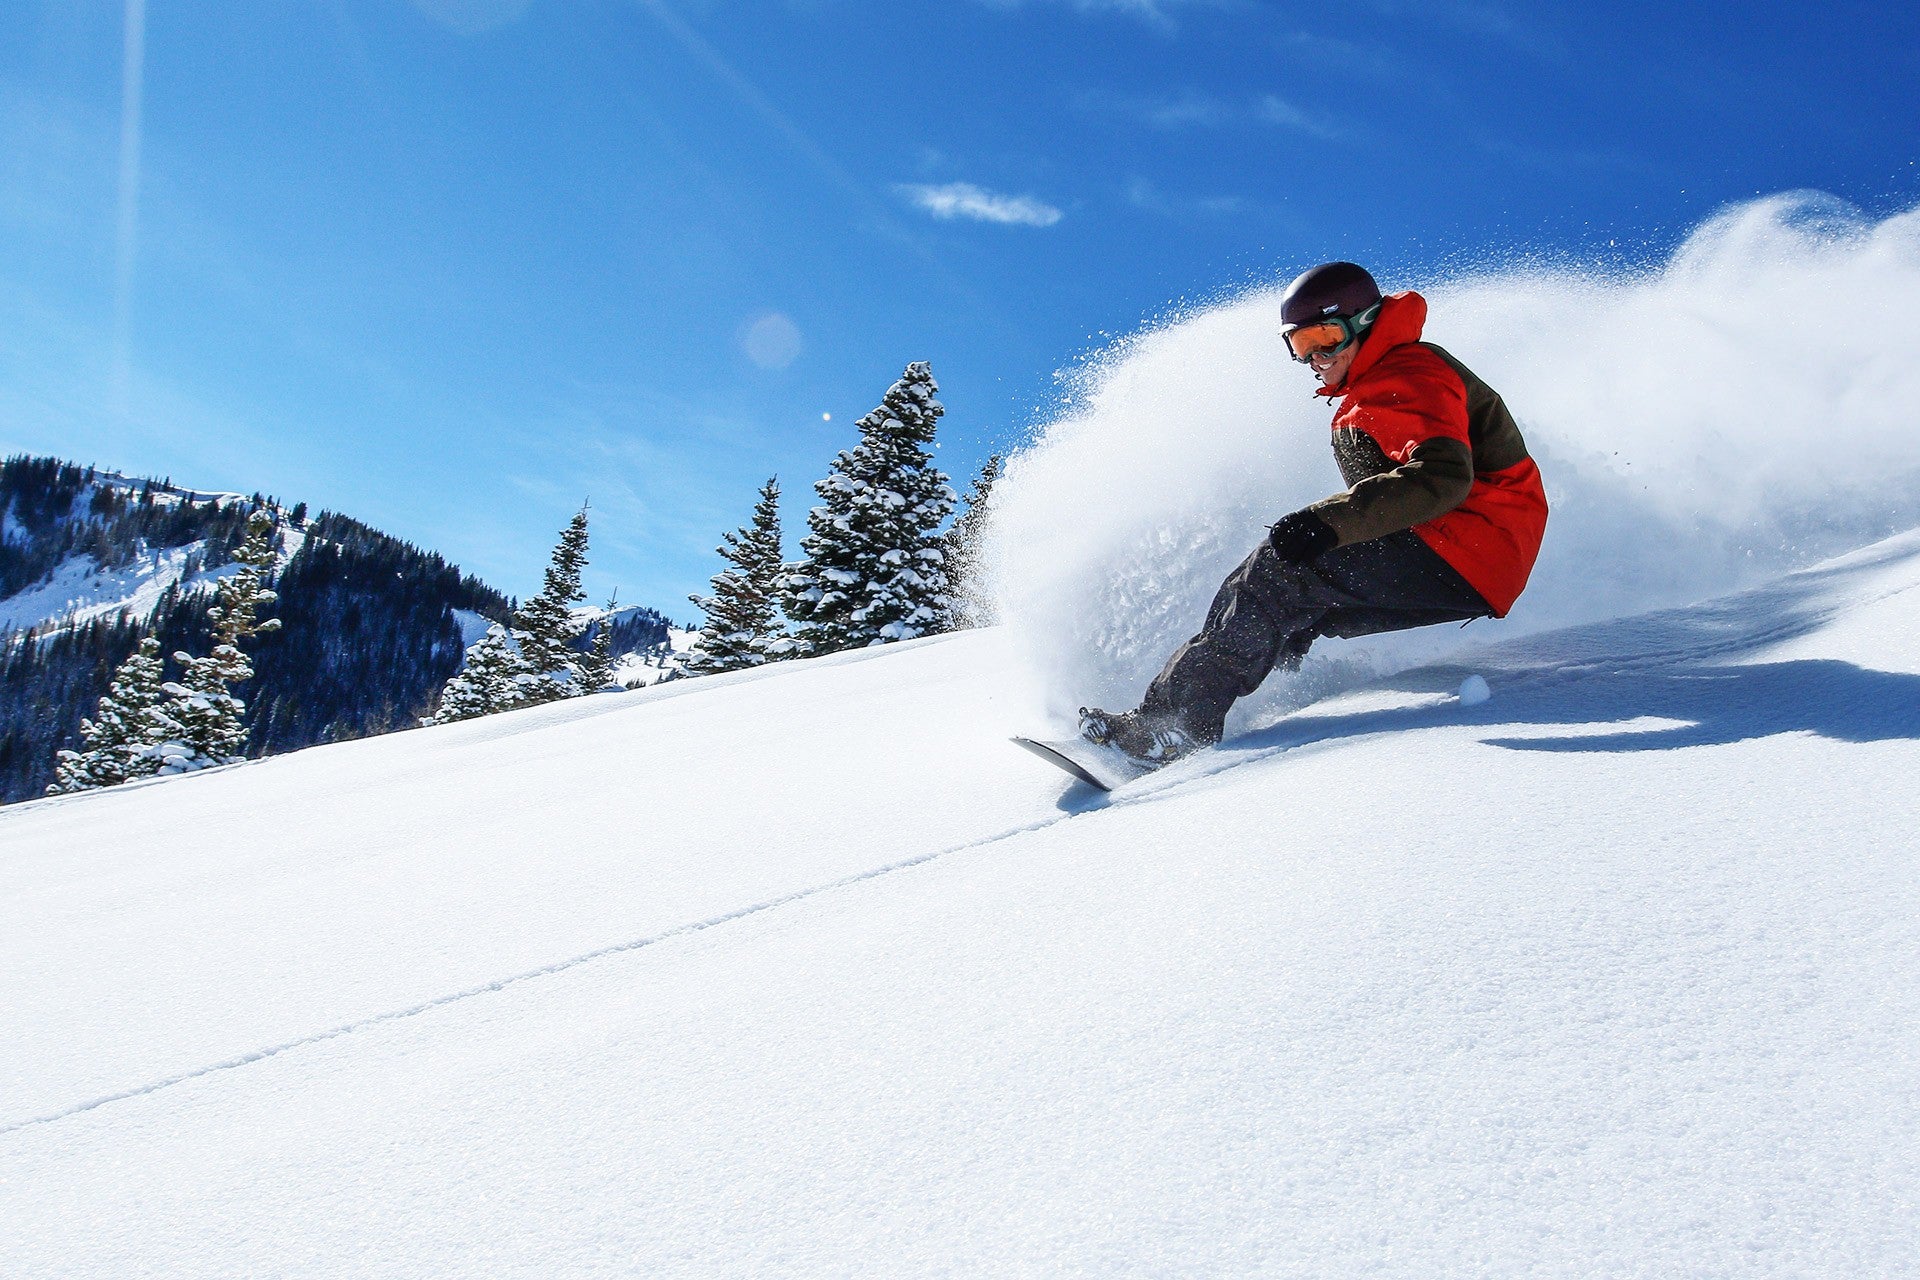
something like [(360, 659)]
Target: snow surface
[(807, 971)]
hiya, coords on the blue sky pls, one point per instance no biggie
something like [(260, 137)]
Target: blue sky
[(452, 266)]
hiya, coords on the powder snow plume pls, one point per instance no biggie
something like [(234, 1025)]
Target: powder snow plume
[(1743, 408)]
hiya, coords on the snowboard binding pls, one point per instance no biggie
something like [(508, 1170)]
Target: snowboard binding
[(1151, 740)]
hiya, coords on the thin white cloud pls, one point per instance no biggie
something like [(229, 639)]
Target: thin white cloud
[(964, 200), (1191, 109), (1278, 111), (1185, 110), (473, 17), (1152, 10), (1155, 13), (1327, 53), (1481, 21), (1144, 195)]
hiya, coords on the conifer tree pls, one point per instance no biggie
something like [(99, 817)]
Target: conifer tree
[(534, 659), (596, 664), (210, 721), (495, 678), (118, 743), (545, 627), (873, 566), (743, 613), (962, 545)]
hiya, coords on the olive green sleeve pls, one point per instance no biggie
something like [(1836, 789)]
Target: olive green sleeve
[(1436, 477)]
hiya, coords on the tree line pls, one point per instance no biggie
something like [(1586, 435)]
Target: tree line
[(875, 566), (145, 726), (547, 651)]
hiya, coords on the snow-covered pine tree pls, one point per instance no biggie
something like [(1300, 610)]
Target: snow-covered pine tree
[(494, 678), (743, 613), (117, 744), (970, 607), (545, 627), (210, 723), (532, 660), (596, 664), (873, 570)]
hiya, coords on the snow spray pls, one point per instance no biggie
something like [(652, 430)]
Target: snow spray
[(1745, 407)]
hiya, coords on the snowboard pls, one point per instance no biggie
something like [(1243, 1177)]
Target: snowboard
[(1102, 767)]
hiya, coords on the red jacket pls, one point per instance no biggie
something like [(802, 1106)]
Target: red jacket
[(1425, 444)]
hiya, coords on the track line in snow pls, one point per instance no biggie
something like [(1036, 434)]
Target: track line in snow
[(544, 971)]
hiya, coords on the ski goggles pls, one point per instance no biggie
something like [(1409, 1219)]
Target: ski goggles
[(1328, 337)]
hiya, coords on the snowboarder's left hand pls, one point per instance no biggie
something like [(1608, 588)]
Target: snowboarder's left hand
[(1301, 538)]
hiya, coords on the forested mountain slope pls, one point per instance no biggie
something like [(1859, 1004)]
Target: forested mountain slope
[(91, 561)]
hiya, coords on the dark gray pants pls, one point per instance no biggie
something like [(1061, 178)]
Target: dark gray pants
[(1268, 613)]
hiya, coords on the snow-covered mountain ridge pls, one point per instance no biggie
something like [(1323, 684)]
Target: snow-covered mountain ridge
[(90, 561), (100, 569), (1608, 975)]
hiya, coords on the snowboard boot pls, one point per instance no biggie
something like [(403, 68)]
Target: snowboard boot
[(1151, 740)]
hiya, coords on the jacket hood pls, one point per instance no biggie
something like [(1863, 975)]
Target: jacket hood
[(1403, 316)]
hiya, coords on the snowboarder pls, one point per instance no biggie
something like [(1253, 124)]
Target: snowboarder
[(1440, 522)]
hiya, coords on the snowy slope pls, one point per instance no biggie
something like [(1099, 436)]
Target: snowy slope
[(78, 589), (807, 972), (650, 666)]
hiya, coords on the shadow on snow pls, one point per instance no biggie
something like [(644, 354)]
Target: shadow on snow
[(1686, 665)]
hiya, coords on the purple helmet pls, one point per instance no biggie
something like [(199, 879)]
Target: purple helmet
[(1328, 290)]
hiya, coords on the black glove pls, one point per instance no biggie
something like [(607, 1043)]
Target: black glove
[(1301, 538)]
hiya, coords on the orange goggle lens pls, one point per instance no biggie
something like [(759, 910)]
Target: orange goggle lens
[(1324, 338)]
